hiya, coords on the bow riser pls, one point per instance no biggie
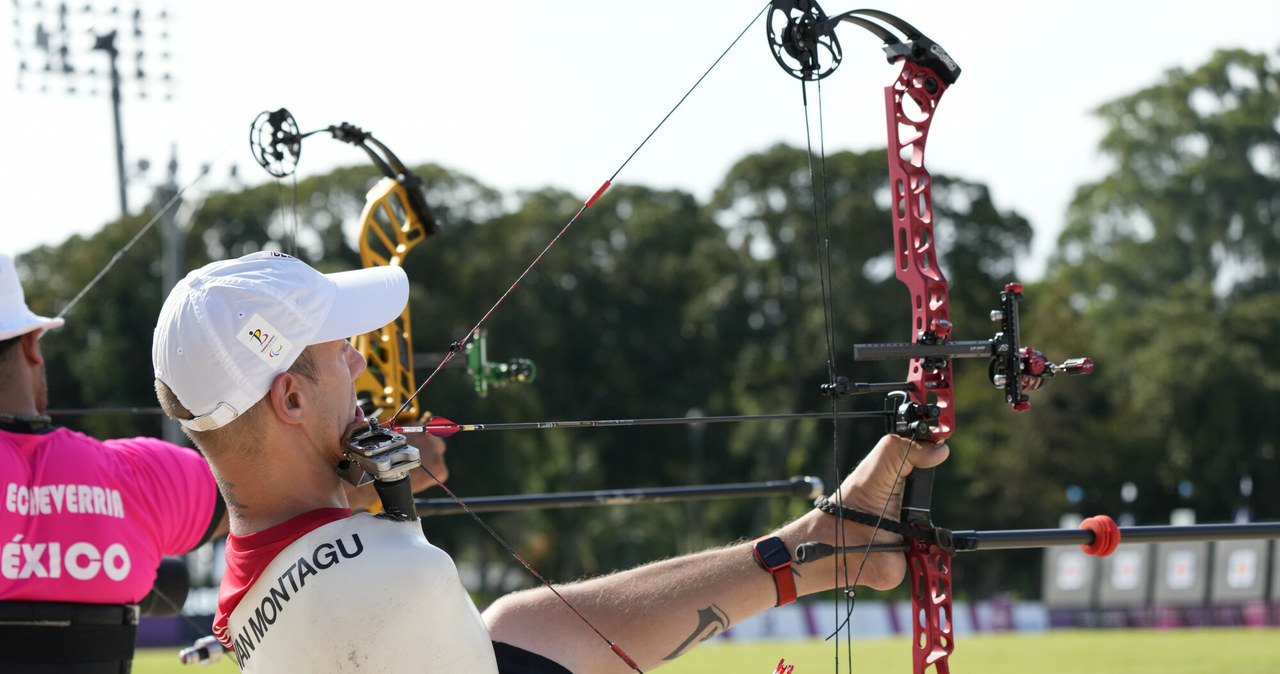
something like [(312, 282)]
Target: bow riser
[(930, 378), (914, 243)]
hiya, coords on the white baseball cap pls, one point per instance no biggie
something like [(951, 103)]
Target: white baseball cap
[(230, 327), (15, 318)]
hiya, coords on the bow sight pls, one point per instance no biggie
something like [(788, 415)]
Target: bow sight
[(1013, 368)]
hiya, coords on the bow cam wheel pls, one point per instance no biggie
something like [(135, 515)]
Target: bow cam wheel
[(801, 39), (275, 142)]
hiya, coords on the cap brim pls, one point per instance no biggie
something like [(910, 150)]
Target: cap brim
[(31, 323), (365, 300)]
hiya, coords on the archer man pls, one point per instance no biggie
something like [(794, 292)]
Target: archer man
[(309, 586)]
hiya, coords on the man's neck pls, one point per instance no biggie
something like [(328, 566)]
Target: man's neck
[(18, 409), (17, 391), (282, 485)]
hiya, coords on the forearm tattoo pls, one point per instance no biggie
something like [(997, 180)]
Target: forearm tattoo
[(711, 621)]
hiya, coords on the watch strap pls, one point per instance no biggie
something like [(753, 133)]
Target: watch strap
[(783, 580)]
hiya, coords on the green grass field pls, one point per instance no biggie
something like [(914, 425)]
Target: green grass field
[(1192, 651)]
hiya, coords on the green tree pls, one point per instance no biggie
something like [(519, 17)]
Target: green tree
[(1173, 264), (1196, 171)]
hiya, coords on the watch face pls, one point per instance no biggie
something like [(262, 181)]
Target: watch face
[(772, 553)]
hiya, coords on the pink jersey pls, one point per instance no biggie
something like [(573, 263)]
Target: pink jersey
[(84, 520)]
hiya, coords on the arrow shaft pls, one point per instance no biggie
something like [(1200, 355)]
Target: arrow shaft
[(662, 421)]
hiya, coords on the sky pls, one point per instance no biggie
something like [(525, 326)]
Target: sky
[(522, 95)]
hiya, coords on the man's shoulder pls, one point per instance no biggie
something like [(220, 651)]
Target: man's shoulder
[(145, 443), (361, 570), (366, 529), (368, 545)]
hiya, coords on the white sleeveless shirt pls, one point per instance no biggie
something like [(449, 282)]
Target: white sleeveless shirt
[(360, 594)]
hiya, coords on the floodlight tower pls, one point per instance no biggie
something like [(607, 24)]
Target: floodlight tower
[(59, 36), (107, 43)]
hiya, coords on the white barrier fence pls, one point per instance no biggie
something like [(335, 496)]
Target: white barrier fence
[(883, 619)]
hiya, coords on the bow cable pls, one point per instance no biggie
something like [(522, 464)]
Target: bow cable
[(822, 250), (822, 238)]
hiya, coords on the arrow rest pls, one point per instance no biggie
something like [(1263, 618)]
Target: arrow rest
[(911, 419)]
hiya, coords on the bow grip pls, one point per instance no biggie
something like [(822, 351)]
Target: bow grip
[(917, 494)]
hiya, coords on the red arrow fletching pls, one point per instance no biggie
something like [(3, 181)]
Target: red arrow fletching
[(441, 427)]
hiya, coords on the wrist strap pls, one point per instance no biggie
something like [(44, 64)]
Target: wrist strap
[(884, 524)]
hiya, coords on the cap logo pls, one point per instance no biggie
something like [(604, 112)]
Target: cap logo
[(264, 340)]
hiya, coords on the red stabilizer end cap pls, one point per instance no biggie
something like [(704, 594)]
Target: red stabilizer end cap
[(598, 194), (1013, 287), (1106, 535)]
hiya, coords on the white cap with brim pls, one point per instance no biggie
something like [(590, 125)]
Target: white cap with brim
[(15, 317), (229, 328)]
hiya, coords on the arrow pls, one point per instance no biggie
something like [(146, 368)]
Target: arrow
[(443, 428)]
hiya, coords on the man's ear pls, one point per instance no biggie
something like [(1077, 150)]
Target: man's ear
[(31, 348), (287, 398)]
